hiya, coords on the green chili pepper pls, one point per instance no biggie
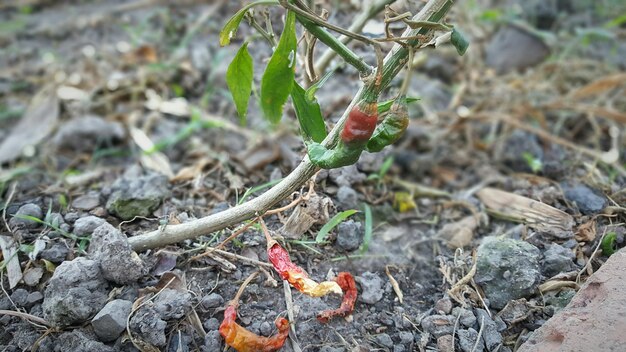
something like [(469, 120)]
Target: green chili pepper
[(358, 129), (392, 128)]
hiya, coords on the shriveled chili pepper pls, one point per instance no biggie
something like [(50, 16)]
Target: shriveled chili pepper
[(295, 275), (392, 127), (346, 281), (243, 340), (358, 129)]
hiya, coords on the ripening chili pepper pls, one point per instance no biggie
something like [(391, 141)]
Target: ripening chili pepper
[(295, 275), (346, 282), (392, 128), (357, 130), (242, 340)]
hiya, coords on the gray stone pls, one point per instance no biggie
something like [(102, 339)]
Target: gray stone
[(347, 198), (211, 324), (371, 287), (346, 176), (32, 276), (78, 340), (514, 47), (265, 328), (518, 146), (491, 336), (438, 325), (87, 225), (33, 298), (172, 304), (587, 200), (149, 326), (507, 269), (118, 262), (467, 319), (349, 235), (467, 340), (405, 337), (30, 209), (443, 305), (75, 292), (557, 259), (110, 322), (56, 253), (20, 297), (138, 196), (384, 340), (212, 341), (87, 133), (212, 300), (86, 201)]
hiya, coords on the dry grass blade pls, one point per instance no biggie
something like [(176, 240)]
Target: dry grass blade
[(394, 284), (599, 86), (11, 262), (554, 285), (537, 215)]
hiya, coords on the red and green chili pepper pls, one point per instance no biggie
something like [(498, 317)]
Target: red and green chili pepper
[(356, 132)]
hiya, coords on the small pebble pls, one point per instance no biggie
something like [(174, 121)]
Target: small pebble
[(212, 300)]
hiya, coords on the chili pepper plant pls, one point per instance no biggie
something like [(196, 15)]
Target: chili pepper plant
[(368, 124)]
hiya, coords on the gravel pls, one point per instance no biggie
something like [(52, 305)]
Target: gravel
[(507, 269), (371, 287), (349, 235), (137, 196), (110, 322), (118, 262), (30, 209), (76, 291)]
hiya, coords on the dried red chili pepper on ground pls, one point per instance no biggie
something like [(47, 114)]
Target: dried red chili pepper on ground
[(242, 340), (358, 129), (294, 274), (347, 284)]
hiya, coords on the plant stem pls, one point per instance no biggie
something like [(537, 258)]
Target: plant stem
[(337, 46), (433, 11)]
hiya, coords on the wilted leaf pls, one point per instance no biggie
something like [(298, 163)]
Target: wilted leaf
[(403, 202), (278, 78), (309, 114), (230, 28), (37, 122), (459, 41), (239, 80)]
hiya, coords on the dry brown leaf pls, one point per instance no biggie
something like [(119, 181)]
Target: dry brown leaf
[(460, 233), (37, 122), (553, 285), (536, 215), (190, 172), (586, 232)]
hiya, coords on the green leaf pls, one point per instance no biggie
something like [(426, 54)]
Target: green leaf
[(336, 220), (309, 114), (230, 28), (608, 243), (310, 92), (386, 105), (239, 80), (459, 41), (277, 81), (369, 231)]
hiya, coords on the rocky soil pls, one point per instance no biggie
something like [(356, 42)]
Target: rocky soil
[(502, 204)]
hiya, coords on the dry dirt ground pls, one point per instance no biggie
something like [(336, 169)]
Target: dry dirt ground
[(504, 196)]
